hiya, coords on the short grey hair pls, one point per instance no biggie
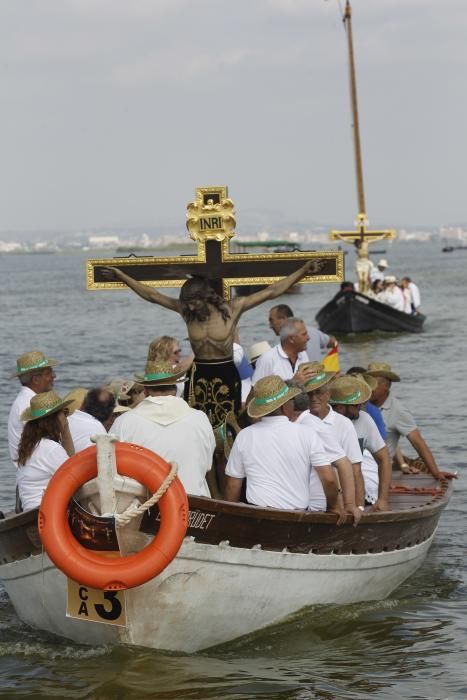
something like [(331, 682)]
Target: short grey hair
[(289, 327)]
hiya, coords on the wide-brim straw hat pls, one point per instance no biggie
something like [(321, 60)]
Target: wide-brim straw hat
[(382, 369), (118, 408), (76, 396), (31, 361), (371, 381), (258, 349), (390, 279), (349, 390), (160, 374), (44, 404), (383, 263), (320, 376), (269, 394)]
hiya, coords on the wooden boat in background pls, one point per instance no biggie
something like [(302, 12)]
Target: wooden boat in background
[(240, 568), (352, 312)]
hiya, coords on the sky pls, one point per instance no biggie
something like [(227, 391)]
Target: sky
[(114, 111)]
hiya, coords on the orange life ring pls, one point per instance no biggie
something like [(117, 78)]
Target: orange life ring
[(89, 568)]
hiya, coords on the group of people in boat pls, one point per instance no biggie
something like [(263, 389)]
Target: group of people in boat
[(401, 294), (309, 439)]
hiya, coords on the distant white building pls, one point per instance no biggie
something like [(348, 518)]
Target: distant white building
[(11, 247), (103, 241)]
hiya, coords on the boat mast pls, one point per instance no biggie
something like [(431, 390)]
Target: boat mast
[(361, 237), (354, 104)]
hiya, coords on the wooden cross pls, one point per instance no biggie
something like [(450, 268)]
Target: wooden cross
[(211, 223)]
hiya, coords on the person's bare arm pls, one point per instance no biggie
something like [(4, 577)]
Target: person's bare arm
[(383, 461), (347, 482), (232, 489), (330, 486), (311, 267), (145, 292), (359, 483), (419, 444)]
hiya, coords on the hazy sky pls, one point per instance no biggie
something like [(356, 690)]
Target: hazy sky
[(113, 111)]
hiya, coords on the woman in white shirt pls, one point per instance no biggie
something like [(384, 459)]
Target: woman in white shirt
[(45, 444)]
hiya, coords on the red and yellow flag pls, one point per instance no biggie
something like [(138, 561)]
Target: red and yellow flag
[(331, 360)]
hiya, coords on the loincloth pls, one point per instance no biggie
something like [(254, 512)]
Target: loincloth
[(214, 386)]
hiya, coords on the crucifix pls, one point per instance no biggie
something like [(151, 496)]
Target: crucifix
[(211, 224), (361, 238)]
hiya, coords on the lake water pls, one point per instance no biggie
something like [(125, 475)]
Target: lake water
[(412, 645)]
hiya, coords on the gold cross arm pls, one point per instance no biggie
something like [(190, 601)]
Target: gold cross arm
[(358, 235)]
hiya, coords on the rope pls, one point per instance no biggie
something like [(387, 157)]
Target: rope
[(134, 511)]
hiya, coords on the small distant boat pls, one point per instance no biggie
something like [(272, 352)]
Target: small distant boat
[(351, 312), (354, 312), (451, 248)]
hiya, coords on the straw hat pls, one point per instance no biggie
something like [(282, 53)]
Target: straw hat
[(31, 361), (44, 405), (320, 376), (382, 369), (258, 349), (383, 263), (269, 394), (349, 390), (371, 381), (390, 279), (76, 396), (118, 408), (120, 387), (160, 374)]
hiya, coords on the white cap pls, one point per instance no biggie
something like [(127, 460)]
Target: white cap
[(258, 349)]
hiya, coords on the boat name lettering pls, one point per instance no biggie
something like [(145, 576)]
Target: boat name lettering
[(196, 519)]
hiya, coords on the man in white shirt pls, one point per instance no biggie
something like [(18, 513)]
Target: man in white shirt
[(90, 418), (284, 359), (36, 375), (333, 450), (318, 389), (317, 342), (392, 294), (414, 294), (348, 396), (167, 425), (378, 272), (398, 420), (276, 456)]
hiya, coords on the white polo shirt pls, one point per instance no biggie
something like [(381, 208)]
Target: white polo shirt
[(15, 424), (277, 457), (82, 427), (33, 477), (275, 361), (368, 434), (331, 445), (343, 429)]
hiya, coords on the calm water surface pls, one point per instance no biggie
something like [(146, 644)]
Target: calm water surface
[(412, 645)]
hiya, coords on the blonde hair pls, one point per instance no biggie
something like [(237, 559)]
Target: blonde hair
[(161, 348)]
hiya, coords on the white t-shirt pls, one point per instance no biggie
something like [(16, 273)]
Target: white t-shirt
[(277, 457), (33, 477), (82, 427), (174, 431), (342, 428), (368, 434), (370, 474), (275, 361), (15, 424), (414, 294)]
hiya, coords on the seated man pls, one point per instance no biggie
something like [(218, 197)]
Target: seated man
[(333, 450), (91, 417), (277, 456), (318, 389), (165, 424), (398, 420), (348, 395), (283, 360)]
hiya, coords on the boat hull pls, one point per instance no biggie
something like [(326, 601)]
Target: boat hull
[(351, 312), (210, 595)]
